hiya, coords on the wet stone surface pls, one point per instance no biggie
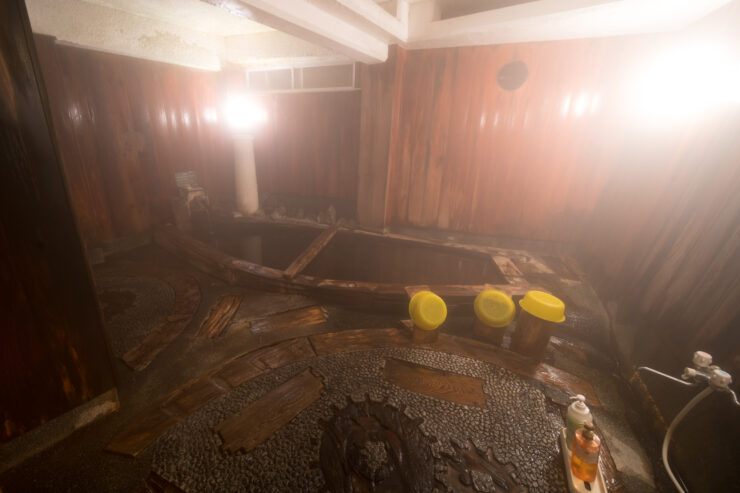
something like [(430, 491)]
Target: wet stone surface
[(133, 307), (374, 454), (520, 426)]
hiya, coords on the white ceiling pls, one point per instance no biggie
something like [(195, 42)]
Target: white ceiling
[(459, 8), (184, 32), (191, 14), (212, 33)]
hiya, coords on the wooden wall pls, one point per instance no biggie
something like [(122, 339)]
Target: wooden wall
[(651, 206), (432, 141), (474, 157), (664, 242), (309, 144), (53, 355), (381, 104), (125, 126), (664, 237)]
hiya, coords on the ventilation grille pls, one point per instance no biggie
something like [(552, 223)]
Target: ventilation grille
[(325, 77)]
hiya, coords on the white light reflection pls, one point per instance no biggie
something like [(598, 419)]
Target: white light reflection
[(595, 103), (210, 115), (566, 106), (581, 104), (687, 80), (74, 114), (243, 114)]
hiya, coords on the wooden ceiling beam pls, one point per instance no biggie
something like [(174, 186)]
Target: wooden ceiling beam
[(309, 22)]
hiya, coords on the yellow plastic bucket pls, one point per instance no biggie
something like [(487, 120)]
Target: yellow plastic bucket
[(427, 310), (494, 308), (543, 305)]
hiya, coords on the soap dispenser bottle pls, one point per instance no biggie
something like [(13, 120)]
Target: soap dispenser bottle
[(577, 416), (584, 464)]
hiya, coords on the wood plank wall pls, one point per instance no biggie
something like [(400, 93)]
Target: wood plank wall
[(562, 158), (126, 126), (474, 157), (664, 242), (572, 157), (53, 355), (309, 145), (664, 237), (381, 103)]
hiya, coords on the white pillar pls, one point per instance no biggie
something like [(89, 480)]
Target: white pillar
[(245, 175)]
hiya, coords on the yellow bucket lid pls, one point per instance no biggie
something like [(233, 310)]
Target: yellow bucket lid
[(494, 308), (543, 305), (428, 311)]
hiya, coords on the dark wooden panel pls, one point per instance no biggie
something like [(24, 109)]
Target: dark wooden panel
[(435, 383), (219, 316), (473, 157), (83, 176), (53, 356), (357, 340), (302, 317), (195, 394), (309, 145), (241, 370), (248, 366), (126, 126), (138, 434), (652, 209), (287, 352), (273, 411), (381, 90)]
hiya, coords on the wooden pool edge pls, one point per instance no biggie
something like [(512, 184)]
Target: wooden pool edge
[(355, 293)]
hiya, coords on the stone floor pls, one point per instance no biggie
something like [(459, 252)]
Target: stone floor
[(518, 423), (509, 442)]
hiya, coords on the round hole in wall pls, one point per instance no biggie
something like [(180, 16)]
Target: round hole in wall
[(512, 75)]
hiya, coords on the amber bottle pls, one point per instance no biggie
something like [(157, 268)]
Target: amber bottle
[(585, 460)]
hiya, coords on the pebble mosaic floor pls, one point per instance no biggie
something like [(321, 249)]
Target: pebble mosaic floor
[(133, 308), (520, 425)]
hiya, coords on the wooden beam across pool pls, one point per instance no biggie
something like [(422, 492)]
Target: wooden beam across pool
[(310, 253)]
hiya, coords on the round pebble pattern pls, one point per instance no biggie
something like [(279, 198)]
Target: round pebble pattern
[(520, 425), (153, 300)]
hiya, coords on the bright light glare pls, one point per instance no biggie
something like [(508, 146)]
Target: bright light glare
[(595, 102), (243, 114), (210, 115), (566, 105), (579, 104), (688, 80)]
